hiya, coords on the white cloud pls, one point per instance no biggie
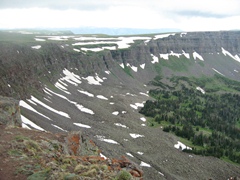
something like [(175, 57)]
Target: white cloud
[(178, 14)]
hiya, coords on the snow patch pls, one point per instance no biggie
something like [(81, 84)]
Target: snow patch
[(142, 65), (129, 154), (160, 36), (27, 121), (102, 138), (181, 146), (164, 56), (136, 135), (71, 76), (77, 50), (60, 86), (36, 47), (218, 72), (136, 105), (83, 109), (122, 65), (93, 80), (144, 94), (200, 89), (38, 39), (107, 72), (145, 164), (187, 55), (115, 113), (183, 34), (102, 97), (101, 155), (121, 125), (229, 54), (86, 93), (196, 55), (143, 119), (59, 128), (82, 125), (140, 153), (155, 59)]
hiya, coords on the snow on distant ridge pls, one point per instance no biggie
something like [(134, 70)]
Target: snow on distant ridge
[(187, 55), (236, 57), (160, 36), (155, 59), (196, 55), (134, 68), (122, 65), (38, 39), (142, 65), (121, 42), (183, 34), (164, 56)]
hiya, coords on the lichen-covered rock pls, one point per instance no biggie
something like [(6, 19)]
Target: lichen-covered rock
[(77, 145), (10, 112)]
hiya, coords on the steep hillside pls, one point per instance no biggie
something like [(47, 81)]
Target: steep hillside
[(97, 84)]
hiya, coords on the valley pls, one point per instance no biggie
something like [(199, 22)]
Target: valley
[(98, 84)]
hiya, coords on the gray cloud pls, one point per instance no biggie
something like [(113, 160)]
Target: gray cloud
[(189, 13)]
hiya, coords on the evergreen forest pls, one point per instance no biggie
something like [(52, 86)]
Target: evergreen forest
[(209, 120)]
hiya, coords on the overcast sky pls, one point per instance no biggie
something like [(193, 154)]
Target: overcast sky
[(187, 15)]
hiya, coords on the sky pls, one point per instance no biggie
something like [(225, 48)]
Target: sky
[(186, 15)]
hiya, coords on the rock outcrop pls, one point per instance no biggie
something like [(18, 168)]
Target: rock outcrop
[(30, 154), (10, 112)]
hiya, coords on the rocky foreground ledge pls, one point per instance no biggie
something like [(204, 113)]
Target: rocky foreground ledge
[(32, 154)]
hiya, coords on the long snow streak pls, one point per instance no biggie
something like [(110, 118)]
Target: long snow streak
[(50, 108), (27, 106)]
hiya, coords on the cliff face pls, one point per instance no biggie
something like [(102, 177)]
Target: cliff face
[(201, 42), (23, 68)]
